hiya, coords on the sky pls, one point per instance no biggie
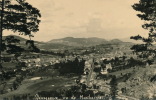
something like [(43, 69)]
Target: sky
[(108, 19)]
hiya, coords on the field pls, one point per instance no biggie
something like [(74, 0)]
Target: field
[(9, 65), (46, 84)]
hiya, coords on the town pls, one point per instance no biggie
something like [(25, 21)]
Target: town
[(87, 69), (77, 50)]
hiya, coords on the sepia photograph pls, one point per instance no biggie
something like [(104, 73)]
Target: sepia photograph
[(77, 49)]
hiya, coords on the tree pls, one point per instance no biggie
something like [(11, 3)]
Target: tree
[(20, 65), (113, 89), (11, 45), (148, 14), (18, 16), (31, 46)]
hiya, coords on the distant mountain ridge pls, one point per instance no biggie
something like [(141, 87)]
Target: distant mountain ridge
[(70, 42), (115, 41)]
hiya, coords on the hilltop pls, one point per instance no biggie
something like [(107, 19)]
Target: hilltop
[(76, 42), (22, 40), (70, 42), (16, 37)]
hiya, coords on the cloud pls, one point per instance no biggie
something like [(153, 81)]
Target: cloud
[(87, 18)]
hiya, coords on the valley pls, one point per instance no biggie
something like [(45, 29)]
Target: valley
[(98, 68)]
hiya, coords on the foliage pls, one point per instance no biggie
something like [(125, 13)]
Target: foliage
[(148, 14), (31, 46), (20, 65), (20, 17), (76, 67), (113, 90), (75, 91), (17, 16), (52, 53), (10, 45)]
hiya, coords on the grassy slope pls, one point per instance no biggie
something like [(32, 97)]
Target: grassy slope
[(139, 83), (32, 87)]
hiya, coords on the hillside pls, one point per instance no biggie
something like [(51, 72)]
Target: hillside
[(141, 83), (16, 37), (116, 41), (70, 41), (23, 40), (48, 46)]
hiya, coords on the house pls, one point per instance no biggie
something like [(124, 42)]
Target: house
[(23, 69), (105, 70), (108, 66), (83, 79)]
